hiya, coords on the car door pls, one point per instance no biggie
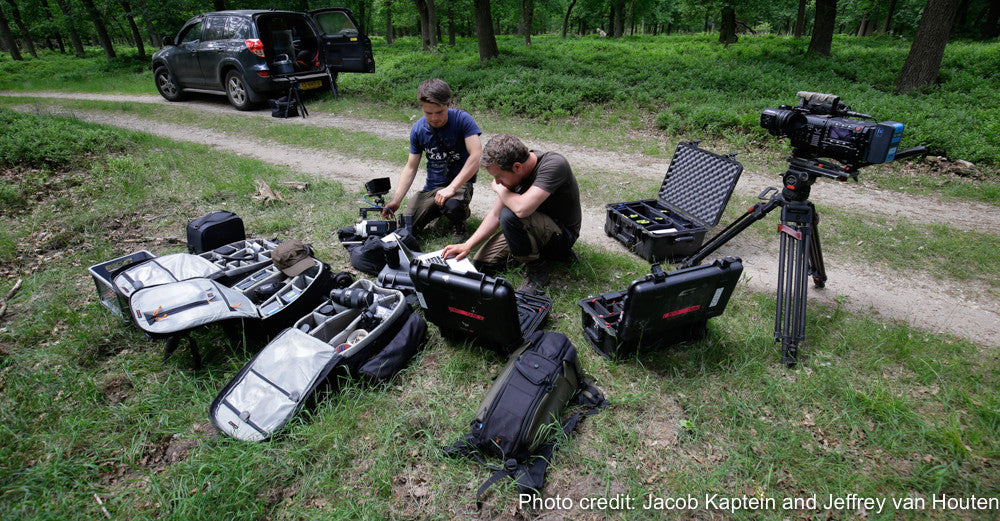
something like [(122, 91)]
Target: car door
[(211, 49), (185, 63), (345, 47)]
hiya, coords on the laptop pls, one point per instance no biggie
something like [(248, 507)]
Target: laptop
[(475, 306)]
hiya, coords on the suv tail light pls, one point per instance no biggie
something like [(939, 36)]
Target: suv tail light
[(256, 46)]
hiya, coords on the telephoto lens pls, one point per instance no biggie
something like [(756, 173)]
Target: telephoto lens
[(352, 297)]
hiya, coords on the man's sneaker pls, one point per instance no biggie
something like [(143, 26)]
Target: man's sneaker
[(460, 234), (536, 277)]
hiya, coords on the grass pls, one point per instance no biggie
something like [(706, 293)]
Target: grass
[(88, 407)]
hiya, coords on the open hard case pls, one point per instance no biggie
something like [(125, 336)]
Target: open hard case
[(691, 200), (660, 309), (470, 305), (330, 342)]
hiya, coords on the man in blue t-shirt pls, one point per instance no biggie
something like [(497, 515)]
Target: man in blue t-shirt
[(450, 139)]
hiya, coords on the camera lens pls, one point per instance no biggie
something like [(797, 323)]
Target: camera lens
[(782, 122), (352, 298)]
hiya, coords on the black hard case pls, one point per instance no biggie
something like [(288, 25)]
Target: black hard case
[(691, 200), (660, 309), (477, 306), (214, 230)]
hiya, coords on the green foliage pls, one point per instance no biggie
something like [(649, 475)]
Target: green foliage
[(694, 86)]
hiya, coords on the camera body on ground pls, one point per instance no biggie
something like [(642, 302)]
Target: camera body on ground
[(821, 126)]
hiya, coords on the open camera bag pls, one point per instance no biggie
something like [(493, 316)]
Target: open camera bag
[(529, 395), (264, 302), (156, 271), (691, 200), (312, 356), (214, 230), (238, 258)]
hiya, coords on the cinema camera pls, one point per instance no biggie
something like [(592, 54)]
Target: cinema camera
[(819, 127), (365, 227), (826, 142)]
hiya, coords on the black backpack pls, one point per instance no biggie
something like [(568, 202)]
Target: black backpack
[(538, 382)]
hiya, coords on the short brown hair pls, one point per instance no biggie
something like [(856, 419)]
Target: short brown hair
[(503, 151), (434, 90)]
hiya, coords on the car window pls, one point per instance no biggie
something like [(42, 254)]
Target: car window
[(335, 23), (237, 28), (215, 29), (191, 34)]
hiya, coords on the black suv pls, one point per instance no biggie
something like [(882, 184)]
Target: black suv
[(251, 56)]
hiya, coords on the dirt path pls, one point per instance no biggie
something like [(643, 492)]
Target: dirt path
[(917, 298)]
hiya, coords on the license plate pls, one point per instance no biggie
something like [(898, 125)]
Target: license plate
[(306, 85)]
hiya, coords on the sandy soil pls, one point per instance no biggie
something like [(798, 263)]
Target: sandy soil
[(929, 303)]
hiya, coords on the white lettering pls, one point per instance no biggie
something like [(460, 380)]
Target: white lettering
[(550, 503)]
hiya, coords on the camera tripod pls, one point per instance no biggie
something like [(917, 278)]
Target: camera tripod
[(800, 256)]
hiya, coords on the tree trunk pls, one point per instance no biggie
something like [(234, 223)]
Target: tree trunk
[(424, 24), (8, 38), (25, 34), (826, 20), (991, 28), (135, 28), (74, 36), (432, 24), (619, 27), (864, 24), (388, 22), (55, 23), (154, 36), (484, 30), (924, 59), (451, 25), (566, 18), (727, 31), (800, 20), (888, 17), (527, 17), (101, 28)]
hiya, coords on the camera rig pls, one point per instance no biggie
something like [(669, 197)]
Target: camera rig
[(376, 188), (825, 144)]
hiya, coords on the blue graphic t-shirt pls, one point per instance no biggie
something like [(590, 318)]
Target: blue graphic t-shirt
[(446, 153)]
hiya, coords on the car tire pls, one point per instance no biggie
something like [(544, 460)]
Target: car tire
[(239, 93), (166, 84)]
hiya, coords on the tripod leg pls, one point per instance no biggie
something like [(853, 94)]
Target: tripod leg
[(816, 268), (793, 266)]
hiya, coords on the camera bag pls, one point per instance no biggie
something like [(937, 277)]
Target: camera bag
[(523, 410), (660, 309), (368, 254), (692, 197), (214, 230), (238, 258), (162, 270), (310, 358), (263, 303)]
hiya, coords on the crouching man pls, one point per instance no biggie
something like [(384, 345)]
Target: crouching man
[(537, 210)]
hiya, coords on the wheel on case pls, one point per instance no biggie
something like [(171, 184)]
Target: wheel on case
[(166, 84)]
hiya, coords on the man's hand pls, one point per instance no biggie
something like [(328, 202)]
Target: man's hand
[(458, 251), (498, 188), (388, 212), (443, 194)]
